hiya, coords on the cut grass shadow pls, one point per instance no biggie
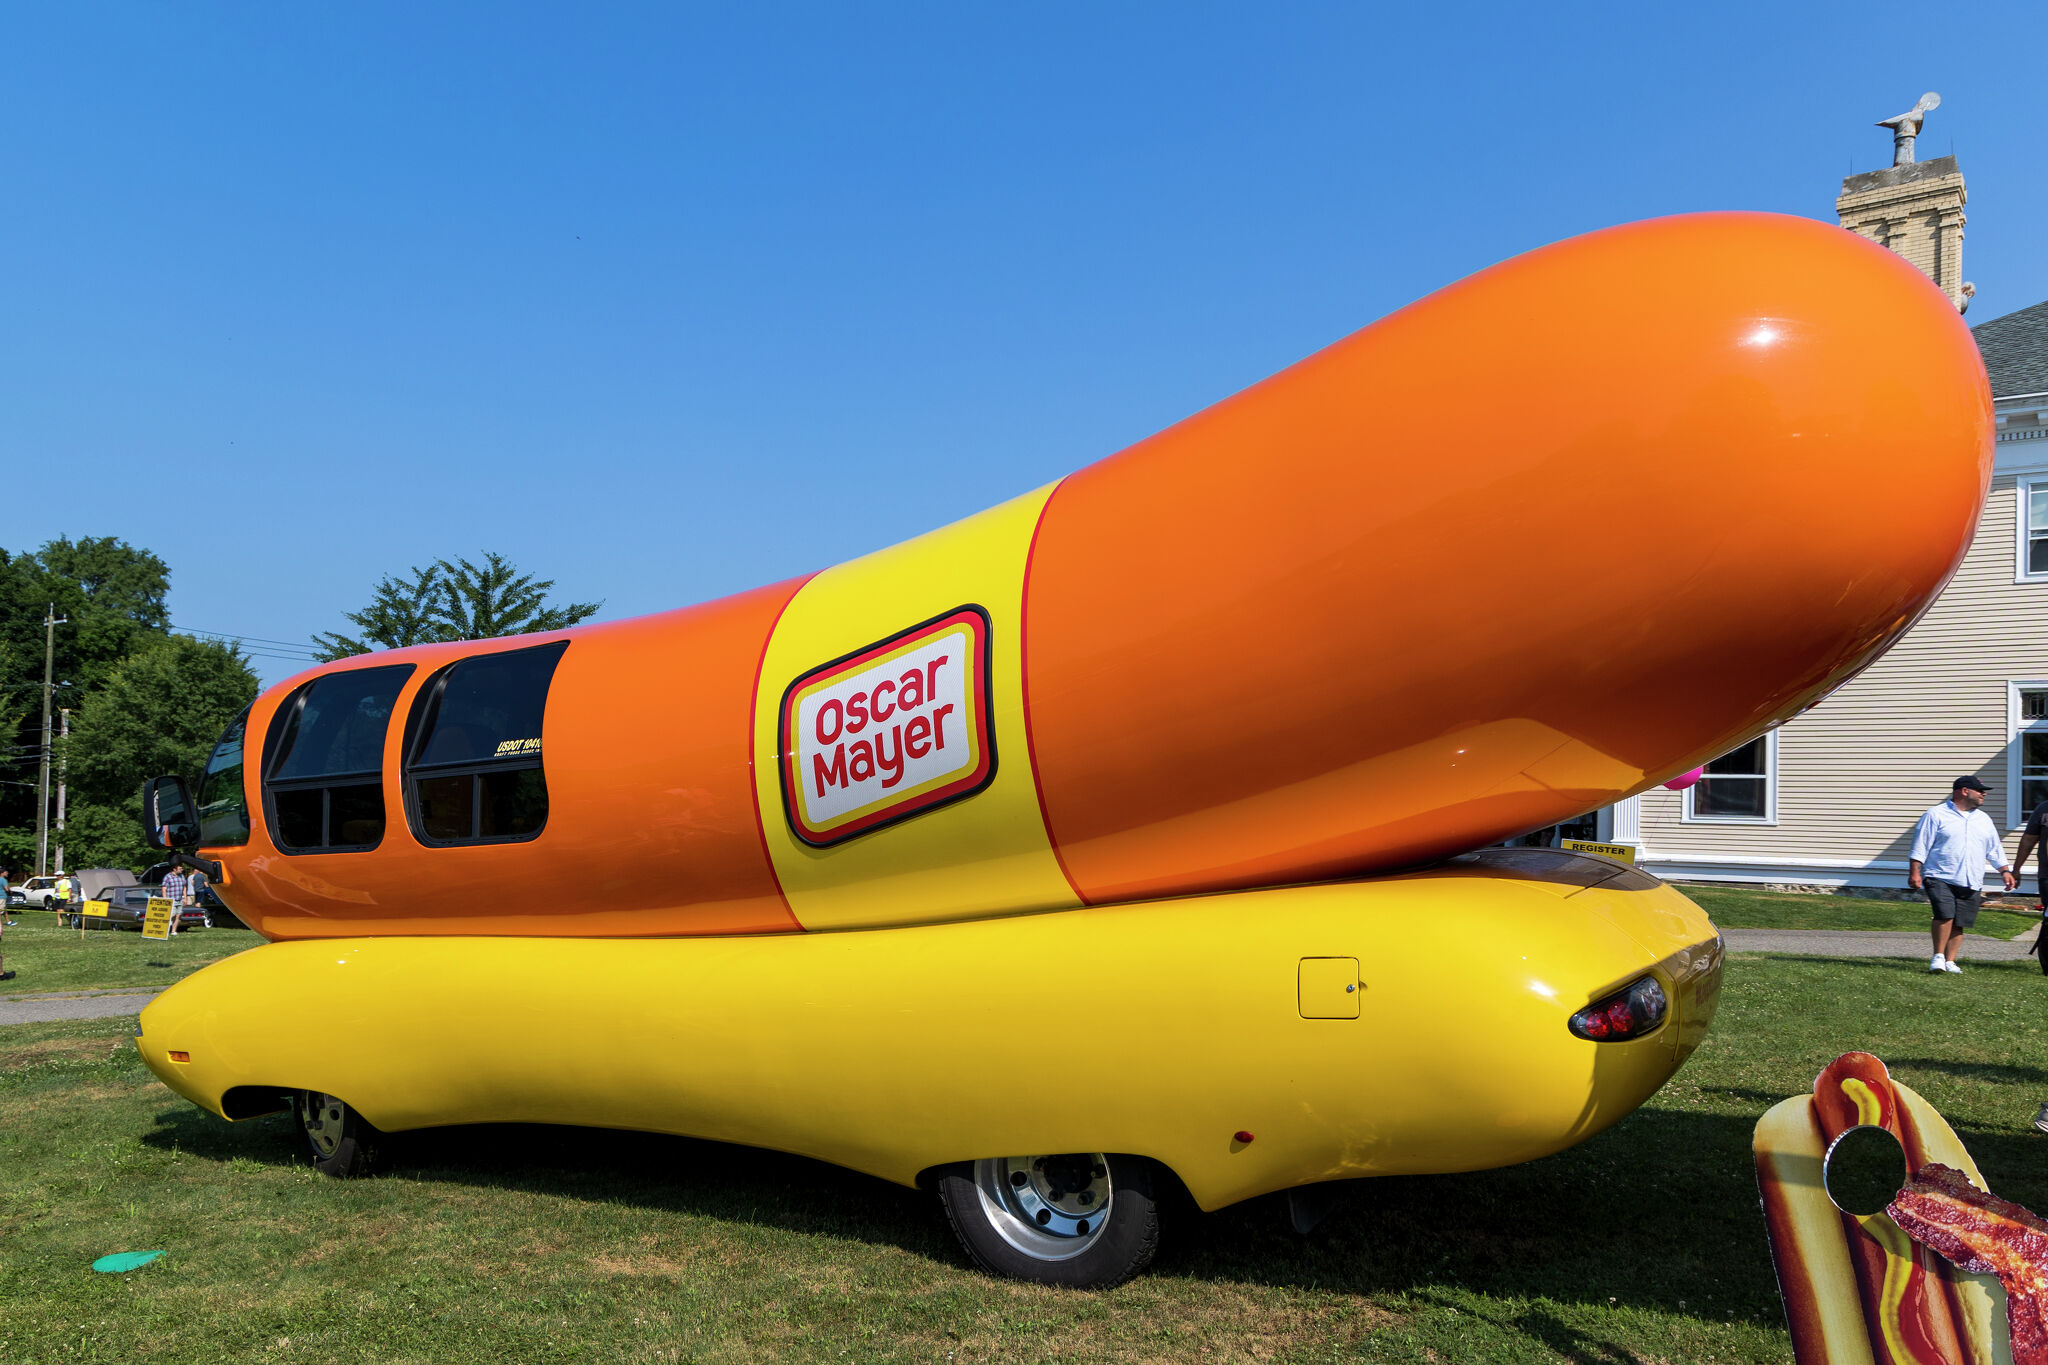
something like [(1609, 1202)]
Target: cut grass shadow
[(1492, 1233), (654, 1171)]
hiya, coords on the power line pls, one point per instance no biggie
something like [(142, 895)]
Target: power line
[(256, 639)]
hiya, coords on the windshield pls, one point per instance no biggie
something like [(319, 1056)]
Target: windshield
[(223, 801)]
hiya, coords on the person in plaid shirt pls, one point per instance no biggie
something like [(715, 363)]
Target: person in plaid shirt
[(173, 890)]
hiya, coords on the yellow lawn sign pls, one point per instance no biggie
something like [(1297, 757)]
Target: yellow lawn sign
[(158, 919)]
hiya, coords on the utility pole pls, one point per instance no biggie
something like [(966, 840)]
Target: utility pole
[(50, 623), (62, 764)]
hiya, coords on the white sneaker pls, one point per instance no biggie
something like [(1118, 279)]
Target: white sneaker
[(1952, 967), (1936, 965), (2041, 1119)]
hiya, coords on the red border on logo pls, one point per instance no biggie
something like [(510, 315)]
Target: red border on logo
[(980, 712)]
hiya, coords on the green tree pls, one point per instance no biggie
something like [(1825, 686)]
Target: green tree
[(158, 712), (115, 598), (497, 599), (401, 612), (455, 600), (113, 593)]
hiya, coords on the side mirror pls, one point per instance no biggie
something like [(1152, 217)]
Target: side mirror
[(169, 819)]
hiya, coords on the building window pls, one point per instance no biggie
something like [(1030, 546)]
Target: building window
[(1740, 786), (2033, 530), (2027, 765), (473, 751), (323, 784)]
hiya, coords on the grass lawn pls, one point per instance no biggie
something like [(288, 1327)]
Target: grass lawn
[(543, 1244), (1733, 908), (48, 958)]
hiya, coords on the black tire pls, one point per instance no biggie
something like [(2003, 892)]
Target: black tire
[(333, 1137), (1030, 1218)]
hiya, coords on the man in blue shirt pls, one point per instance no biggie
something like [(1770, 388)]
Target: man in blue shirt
[(1954, 845)]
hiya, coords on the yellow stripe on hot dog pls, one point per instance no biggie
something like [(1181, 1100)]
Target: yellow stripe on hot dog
[(988, 849)]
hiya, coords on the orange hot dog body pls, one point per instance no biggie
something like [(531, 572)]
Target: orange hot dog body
[(1541, 540), (651, 824), (1575, 524)]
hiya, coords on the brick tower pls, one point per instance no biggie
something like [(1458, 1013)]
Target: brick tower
[(1913, 207)]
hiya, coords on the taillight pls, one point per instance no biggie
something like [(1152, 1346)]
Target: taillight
[(1627, 1013)]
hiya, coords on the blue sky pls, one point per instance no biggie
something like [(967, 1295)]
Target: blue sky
[(664, 302)]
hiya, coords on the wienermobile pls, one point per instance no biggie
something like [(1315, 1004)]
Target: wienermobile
[(1125, 832)]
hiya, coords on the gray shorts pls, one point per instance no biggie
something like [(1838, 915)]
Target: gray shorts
[(1950, 901)]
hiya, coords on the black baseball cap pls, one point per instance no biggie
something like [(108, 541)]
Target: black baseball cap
[(1972, 783)]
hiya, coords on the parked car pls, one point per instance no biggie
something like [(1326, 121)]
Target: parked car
[(16, 898), (36, 893), (87, 884), (93, 883), (125, 907)]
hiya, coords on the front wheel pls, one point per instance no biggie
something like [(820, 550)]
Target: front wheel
[(1085, 1220), (335, 1138)]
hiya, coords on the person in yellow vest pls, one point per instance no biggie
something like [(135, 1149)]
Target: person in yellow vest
[(64, 887)]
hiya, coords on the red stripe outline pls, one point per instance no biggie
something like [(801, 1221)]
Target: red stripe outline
[(1024, 676)]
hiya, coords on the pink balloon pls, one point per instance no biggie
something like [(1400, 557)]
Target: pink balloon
[(1684, 780)]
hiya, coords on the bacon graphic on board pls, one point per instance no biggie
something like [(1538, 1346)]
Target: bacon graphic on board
[(1984, 1235)]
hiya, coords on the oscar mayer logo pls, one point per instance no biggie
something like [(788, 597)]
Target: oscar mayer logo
[(890, 730)]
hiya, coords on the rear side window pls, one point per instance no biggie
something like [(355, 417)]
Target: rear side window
[(223, 800), (323, 764), (473, 753)]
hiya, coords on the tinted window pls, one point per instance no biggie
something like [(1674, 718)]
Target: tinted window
[(512, 805), (325, 760), (223, 801), (488, 708), (339, 727), (474, 772), (301, 816)]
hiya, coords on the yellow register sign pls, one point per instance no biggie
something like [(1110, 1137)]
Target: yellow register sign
[(98, 909), (156, 920), (1619, 852)]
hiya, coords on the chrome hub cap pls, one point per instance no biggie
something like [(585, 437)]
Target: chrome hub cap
[(1052, 1208), (321, 1117)]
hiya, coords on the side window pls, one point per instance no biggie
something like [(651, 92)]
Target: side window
[(2033, 529), (223, 800), (473, 763), (323, 763), (2030, 738), (1740, 785)]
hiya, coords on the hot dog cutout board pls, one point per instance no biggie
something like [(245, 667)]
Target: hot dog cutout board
[(1858, 1290)]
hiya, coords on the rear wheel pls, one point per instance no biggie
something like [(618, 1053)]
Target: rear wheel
[(1085, 1220), (335, 1138)]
